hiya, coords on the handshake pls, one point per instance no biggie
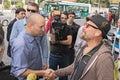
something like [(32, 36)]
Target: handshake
[(49, 74)]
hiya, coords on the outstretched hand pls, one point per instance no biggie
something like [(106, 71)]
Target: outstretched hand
[(50, 74)]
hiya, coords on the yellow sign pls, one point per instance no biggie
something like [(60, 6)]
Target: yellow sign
[(115, 1)]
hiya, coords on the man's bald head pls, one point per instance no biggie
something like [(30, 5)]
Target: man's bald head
[(35, 24), (33, 18)]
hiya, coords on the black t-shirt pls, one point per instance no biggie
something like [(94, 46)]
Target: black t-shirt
[(60, 48), (74, 30)]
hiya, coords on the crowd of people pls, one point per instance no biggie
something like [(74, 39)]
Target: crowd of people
[(74, 52)]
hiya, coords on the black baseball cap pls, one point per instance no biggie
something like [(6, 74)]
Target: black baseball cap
[(102, 24)]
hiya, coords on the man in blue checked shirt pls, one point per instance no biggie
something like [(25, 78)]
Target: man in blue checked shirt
[(20, 25), (26, 53)]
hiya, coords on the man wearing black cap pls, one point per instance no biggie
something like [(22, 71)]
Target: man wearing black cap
[(94, 60)]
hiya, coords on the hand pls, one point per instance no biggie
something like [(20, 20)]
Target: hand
[(44, 66), (50, 75), (48, 72)]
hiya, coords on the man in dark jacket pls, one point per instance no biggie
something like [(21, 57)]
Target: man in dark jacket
[(20, 14)]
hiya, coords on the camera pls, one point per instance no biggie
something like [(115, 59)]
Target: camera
[(59, 28)]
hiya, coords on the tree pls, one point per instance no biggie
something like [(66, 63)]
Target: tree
[(39, 1), (104, 3), (83, 1), (19, 4), (6, 4), (93, 1)]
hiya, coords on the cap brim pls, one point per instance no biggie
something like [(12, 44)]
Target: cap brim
[(87, 18)]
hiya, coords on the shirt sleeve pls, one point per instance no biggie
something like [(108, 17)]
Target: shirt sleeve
[(48, 24), (44, 47), (14, 32), (65, 71), (19, 59)]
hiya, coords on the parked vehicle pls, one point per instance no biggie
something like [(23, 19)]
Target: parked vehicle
[(77, 15), (4, 19), (44, 13)]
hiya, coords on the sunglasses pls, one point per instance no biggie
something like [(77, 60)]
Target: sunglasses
[(89, 25), (33, 11)]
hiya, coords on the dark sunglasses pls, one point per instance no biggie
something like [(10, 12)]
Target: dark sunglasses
[(33, 11), (89, 25)]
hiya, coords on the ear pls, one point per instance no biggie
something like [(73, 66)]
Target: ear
[(98, 33)]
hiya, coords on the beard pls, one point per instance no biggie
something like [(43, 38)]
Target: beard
[(82, 35), (85, 36)]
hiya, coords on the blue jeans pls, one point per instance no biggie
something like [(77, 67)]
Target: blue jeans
[(57, 61)]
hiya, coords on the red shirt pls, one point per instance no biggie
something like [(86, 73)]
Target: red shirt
[(48, 24)]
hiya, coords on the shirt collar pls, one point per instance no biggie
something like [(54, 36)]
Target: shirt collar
[(29, 37)]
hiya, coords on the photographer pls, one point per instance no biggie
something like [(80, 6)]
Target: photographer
[(60, 42)]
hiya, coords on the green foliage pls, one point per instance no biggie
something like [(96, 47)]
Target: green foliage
[(93, 1), (39, 1), (104, 3), (87, 1), (83, 1), (6, 4), (19, 4)]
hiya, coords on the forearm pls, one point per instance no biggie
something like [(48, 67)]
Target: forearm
[(37, 72), (66, 42)]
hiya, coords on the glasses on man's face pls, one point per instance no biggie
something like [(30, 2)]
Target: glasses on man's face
[(33, 11), (89, 25)]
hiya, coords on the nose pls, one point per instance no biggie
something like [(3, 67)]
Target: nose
[(84, 27)]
